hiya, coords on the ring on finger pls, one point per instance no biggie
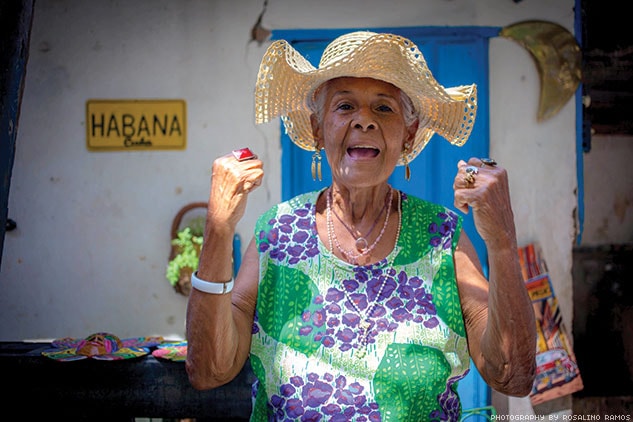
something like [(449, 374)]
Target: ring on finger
[(243, 154), (488, 162), (469, 179), (472, 170)]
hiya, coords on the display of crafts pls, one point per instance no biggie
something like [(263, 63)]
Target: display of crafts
[(108, 347), (176, 352)]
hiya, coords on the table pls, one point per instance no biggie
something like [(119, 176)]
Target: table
[(38, 388)]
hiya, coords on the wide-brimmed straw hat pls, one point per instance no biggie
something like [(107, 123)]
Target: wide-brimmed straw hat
[(286, 84)]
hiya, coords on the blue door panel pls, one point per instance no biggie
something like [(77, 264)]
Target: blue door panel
[(456, 56)]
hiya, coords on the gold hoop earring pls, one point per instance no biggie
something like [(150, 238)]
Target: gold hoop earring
[(316, 165)]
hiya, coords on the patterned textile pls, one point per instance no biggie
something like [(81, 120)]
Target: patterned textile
[(309, 352), (100, 346)]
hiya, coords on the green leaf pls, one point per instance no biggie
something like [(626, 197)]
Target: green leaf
[(261, 401), (413, 241), (446, 297), (284, 294), (408, 381)]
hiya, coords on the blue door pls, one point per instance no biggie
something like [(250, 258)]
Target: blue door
[(456, 56)]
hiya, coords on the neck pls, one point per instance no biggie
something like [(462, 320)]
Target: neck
[(362, 251), (358, 206)]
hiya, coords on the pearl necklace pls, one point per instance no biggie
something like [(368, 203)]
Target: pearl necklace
[(349, 255), (365, 322)]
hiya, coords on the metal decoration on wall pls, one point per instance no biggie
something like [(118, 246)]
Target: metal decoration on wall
[(558, 58)]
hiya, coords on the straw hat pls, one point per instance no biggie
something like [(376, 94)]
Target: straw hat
[(287, 81)]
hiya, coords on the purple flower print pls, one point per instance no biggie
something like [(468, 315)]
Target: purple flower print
[(321, 397), (402, 300), (291, 237), (443, 230)]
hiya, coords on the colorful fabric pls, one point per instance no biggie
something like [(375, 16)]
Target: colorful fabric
[(176, 352), (307, 350), (100, 346)]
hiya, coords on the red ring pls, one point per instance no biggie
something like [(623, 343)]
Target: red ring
[(243, 154)]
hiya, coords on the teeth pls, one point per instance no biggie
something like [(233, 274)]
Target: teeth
[(366, 151)]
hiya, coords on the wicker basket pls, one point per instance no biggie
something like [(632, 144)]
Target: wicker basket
[(183, 286)]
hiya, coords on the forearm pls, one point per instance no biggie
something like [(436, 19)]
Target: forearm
[(211, 341), (214, 356), (508, 343)]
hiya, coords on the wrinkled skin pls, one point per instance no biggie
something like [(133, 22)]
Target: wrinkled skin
[(366, 113)]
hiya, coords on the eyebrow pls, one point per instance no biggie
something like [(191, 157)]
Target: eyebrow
[(345, 92)]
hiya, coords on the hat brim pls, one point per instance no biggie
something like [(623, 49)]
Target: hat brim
[(287, 82)]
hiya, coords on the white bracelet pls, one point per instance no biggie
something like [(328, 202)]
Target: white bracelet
[(213, 287)]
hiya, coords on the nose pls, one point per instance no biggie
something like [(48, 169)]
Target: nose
[(364, 120)]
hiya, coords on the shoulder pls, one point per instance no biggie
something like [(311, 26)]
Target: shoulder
[(287, 233), (297, 210), (416, 208), (428, 223), (296, 205)]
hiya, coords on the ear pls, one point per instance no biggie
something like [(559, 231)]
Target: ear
[(412, 129), (409, 139), (316, 132)]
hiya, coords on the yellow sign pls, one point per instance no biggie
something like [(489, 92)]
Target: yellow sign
[(136, 125)]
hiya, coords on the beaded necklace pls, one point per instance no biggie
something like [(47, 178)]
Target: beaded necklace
[(349, 255), (365, 322)]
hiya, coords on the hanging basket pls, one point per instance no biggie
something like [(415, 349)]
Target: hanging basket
[(183, 284)]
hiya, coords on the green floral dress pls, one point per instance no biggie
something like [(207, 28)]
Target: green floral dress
[(313, 357)]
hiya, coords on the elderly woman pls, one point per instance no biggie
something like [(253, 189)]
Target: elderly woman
[(359, 302)]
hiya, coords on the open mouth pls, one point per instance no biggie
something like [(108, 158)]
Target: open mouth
[(360, 152)]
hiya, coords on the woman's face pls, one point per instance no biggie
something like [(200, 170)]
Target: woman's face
[(362, 128)]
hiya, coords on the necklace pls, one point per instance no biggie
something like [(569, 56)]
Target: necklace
[(365, 318), (361, 242), (350, 255)]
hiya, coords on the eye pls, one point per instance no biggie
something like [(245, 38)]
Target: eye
[(384, 108), (344, 106)]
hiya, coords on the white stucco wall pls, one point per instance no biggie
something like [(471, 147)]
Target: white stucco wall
[(92, 242)]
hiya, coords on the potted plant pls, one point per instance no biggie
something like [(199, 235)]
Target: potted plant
[(185, 249)]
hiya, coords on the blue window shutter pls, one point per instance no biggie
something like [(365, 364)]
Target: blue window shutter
[(456, 56)]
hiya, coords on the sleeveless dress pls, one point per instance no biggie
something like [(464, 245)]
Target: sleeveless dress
[(312, 354)]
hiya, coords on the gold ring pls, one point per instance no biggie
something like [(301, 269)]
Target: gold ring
[(469, 179)]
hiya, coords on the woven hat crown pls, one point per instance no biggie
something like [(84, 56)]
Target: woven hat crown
[(342, 46), (287, 81)]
